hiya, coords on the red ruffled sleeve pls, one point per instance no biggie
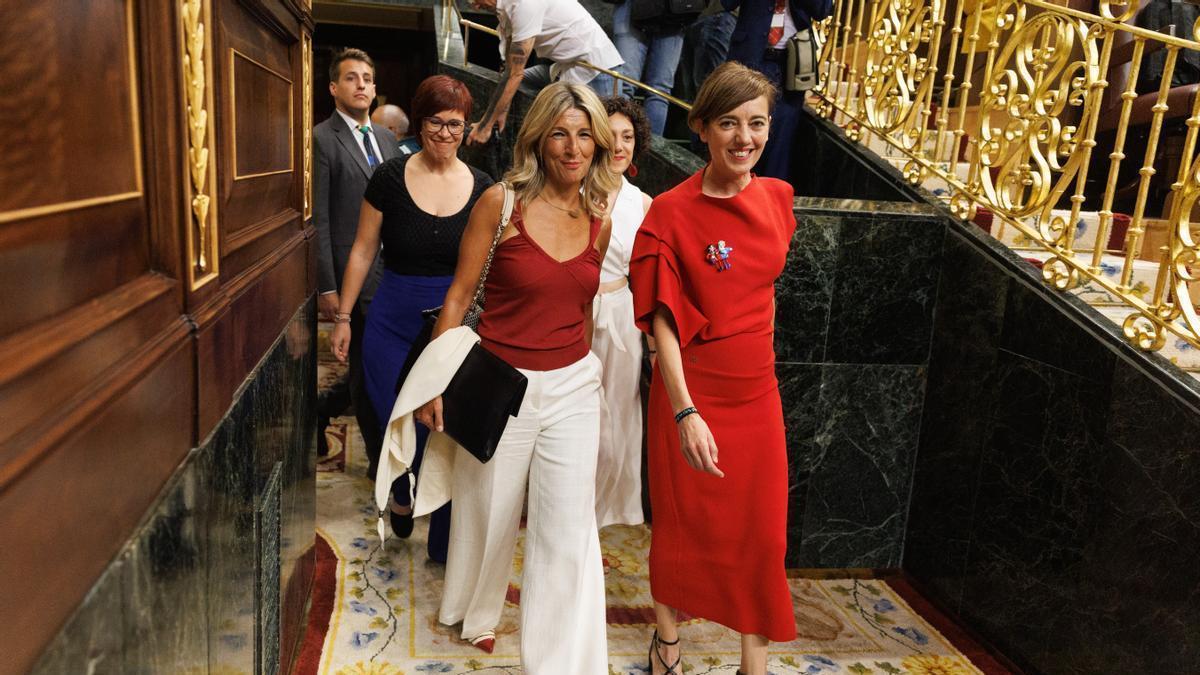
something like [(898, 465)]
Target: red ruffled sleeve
[(655, 280), (785, 194)]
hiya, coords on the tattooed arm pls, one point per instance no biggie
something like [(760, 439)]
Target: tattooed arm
[(510, 80)]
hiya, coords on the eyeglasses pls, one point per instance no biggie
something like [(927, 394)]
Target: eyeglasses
[(435, 124)]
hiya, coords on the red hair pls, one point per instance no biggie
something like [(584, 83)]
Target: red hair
[(438, 93)]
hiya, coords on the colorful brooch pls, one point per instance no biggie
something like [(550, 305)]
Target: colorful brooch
[(718, 254)]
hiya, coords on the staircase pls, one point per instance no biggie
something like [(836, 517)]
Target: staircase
[(1145, 268)]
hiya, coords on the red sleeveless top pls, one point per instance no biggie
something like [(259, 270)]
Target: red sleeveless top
[(534, 306)]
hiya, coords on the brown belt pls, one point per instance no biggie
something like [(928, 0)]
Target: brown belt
[(610, 286)]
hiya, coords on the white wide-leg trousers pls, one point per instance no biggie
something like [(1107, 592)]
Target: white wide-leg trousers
[(551, 446), (618, 343)]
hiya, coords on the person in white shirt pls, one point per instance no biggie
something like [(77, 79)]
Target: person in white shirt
[(560, 31), (615, 339)]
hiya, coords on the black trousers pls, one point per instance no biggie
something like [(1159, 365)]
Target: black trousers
[(353, 390)]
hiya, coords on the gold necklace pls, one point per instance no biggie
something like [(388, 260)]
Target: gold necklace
[(570, 212)]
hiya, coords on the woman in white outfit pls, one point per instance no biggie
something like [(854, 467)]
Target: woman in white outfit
[(617, 341), (537, 317)]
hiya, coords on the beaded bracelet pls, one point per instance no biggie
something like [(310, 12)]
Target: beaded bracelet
[(341, 317), (684, 413)]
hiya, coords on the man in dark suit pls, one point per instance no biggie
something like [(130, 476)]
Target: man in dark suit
[(346, 150), (760, 42)]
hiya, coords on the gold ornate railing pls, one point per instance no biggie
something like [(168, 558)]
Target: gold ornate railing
[(1006, 104), (451, 10)]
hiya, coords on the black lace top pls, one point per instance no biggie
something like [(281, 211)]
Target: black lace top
[(415, 242)]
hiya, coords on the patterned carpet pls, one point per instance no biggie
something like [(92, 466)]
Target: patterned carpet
[(375, 608)]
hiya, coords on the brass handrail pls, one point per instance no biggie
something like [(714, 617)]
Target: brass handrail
[(1017, 136), (472, 25)]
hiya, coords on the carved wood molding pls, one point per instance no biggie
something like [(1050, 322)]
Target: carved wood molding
[(195, 53), (132, 314), (278, 17), (306, 119)]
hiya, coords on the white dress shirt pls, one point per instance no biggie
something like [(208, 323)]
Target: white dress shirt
[(358, 136)]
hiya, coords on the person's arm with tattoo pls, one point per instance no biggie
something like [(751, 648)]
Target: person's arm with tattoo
[(510, 79)]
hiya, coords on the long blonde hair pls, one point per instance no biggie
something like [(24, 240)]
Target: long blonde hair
[(527, 175)]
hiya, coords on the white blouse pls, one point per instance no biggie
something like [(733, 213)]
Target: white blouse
[(627, 215)]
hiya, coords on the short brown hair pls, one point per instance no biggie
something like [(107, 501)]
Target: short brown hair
[(637, 117), (440, 92), (727, 87), (348, 54)]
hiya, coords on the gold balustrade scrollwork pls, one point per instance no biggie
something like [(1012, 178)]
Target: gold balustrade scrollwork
[(1005, 105), (898, 76), (1181, 264)]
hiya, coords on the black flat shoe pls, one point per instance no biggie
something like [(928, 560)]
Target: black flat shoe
[(402, 524), (655, 643), (322, 442)]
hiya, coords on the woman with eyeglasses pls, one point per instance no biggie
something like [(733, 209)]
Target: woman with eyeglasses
[(416, 206)]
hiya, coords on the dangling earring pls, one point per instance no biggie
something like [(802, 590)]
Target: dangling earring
[(632, 170)]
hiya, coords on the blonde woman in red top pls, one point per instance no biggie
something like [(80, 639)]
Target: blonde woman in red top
[(537, 317), (703, 270)]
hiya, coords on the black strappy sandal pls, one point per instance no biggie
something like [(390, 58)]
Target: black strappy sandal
[(655, 643)]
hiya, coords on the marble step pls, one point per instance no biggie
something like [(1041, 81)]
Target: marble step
[(1142, 283), (1087, 228), (1176, 350), (875, 143), (934, 183)]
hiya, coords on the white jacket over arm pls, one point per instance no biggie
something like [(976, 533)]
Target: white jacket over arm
[(427, 380)]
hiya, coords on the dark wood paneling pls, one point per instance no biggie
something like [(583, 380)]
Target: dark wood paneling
[(258, 130), (53, 263), (278, 16), (262, 240), (63, 57), (71, 182), (239, 329), (264, 246), (261, 102), (111, 366), (67, 517), (51, 369), (95, 353), (164, 137)]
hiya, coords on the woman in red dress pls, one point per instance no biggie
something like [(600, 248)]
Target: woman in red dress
[(702, 272)]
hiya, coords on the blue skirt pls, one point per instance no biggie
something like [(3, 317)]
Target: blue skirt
[(392, 325)]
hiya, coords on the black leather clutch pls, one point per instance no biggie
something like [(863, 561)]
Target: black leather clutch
[(481, 396)]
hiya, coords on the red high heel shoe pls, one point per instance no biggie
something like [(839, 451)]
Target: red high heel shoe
[(485, 643)]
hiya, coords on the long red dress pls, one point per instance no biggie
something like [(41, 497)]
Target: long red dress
[(717, 545)]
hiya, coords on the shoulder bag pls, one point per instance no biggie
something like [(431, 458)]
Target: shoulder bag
[(803, 60), (485, 390)]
